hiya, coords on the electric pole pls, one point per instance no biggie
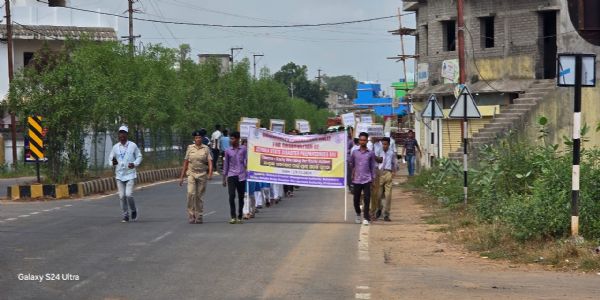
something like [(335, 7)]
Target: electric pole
[(254, 56), (292, 88), (231, 57), (131, 37), (9, 45), (461, 42), (319, 77)]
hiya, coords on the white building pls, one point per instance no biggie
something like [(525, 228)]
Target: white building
[(34, 24)]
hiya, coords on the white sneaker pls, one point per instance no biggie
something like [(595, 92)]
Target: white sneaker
[(365, 222), (357, 220)]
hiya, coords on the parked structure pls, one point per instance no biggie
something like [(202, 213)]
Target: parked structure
[(370, 96)]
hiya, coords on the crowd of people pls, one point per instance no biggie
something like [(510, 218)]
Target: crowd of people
[(371, 165)]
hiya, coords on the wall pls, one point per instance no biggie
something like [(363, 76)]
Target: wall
[(516, 29)]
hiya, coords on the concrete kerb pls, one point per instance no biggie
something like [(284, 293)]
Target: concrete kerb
[(86, 188)]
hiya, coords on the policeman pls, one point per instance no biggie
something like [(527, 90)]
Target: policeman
[(197, 165)]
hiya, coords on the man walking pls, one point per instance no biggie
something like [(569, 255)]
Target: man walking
[(362, 162), (387, 170), (125, 157), (234, 176), (409, 151), (216, 146), (197, 165)]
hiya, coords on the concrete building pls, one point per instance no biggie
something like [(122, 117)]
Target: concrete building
[(224, 60), (34, 25), (370, 96), (511, 48), (339, 103)]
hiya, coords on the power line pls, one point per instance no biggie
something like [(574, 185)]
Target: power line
[(236, 26)]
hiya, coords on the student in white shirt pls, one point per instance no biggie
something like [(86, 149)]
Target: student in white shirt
[(126, 156)]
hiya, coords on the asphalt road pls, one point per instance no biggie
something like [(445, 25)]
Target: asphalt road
[(299, 249)]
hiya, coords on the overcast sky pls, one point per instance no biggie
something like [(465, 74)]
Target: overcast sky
[(360, 50)]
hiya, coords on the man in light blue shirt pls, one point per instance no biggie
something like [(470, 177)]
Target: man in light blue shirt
[(125, 157)]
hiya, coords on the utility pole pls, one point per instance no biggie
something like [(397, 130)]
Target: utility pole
[(231, 57), (319, 77), (254, 56), (292, 88), (131, 37), (9, 42), (461, 80)]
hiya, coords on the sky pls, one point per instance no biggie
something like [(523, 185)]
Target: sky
[(360, 50)]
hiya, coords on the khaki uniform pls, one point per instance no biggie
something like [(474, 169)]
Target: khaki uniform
[(375, 196), (385, 184), (197, 173)]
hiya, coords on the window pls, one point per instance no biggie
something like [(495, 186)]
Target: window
[(27, 57), (487, 32), (449, 32), (426, 40)]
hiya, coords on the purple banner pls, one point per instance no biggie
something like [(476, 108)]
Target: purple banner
[(310, 181)]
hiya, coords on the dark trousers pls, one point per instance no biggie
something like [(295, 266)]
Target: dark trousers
[(215, 157), (358, 188), (288, 188), (233, 185)]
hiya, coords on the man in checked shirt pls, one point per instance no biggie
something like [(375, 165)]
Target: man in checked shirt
[(364, 166)]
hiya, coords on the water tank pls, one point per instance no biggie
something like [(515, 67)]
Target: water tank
[(57, 3)]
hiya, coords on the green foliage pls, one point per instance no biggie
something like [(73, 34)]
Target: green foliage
[(525, 187), (344, 84), (296, 76), (89, 88)]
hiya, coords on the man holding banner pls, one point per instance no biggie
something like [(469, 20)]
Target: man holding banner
[(364, 166)]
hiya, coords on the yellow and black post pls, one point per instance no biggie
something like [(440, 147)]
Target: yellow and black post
[(34, 143)]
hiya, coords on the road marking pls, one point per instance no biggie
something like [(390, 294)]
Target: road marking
[(161, 237), (363, 243), (11, 219), (209, 213), (57, 208), (24, 216), (34, 213), (362, 287), (363, 296), (68, 205), (33, 258), (47, 210)]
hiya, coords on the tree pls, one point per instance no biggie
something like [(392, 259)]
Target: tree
[(303, 88), (343, 84)]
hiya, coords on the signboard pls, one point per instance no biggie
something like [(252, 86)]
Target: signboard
[(437, 110), (277, 125), (366, 118), (458, 108), (34, 141), (423, 74), (566, 69), (349, 119), (245, 124), (303, 126), (450, 71), (303, 160), (374, 130)]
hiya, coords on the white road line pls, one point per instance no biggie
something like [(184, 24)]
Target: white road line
[(363, 296), (33, 258), (57, 208), (68, 205), (34, 213), (161, 237), (24, 216), (209, 213), (47, 210), (10, 219), (363, 243), (362, 287)]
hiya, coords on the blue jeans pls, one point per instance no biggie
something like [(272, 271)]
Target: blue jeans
[(410, 161)]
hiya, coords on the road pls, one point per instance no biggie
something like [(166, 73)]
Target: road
[(299, 249)]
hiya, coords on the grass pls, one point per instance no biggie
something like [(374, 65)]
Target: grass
[(495, 240)]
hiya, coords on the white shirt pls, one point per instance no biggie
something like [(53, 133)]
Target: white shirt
[(125, 154), (389, 159), (214, 139)]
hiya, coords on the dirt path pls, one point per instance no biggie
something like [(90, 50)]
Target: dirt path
[(408, 260)]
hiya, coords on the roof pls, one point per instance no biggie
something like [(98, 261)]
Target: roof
[(494, 86), (48, 32)]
